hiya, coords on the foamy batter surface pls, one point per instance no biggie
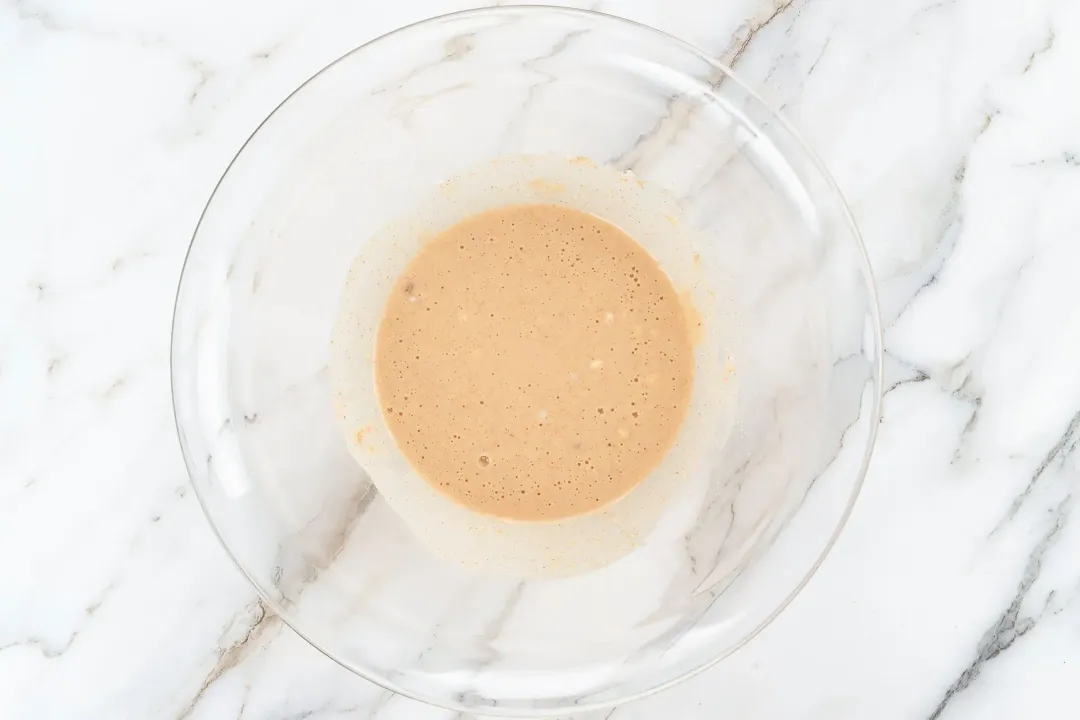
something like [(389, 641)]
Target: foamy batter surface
[(534, 362)]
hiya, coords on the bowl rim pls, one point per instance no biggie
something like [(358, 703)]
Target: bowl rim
[(877, 363)]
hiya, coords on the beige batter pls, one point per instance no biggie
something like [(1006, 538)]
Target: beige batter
[(534, 363)]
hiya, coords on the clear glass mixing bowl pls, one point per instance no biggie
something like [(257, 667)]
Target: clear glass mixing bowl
[(355, 147)]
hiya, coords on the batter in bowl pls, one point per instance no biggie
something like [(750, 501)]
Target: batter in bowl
[(534, 363)]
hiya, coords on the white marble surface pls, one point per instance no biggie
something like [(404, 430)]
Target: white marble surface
[(954, 129)]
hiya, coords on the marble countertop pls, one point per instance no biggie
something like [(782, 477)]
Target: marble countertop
[(952, 126)]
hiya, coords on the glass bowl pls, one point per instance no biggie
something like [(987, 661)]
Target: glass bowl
[(360, 144)]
